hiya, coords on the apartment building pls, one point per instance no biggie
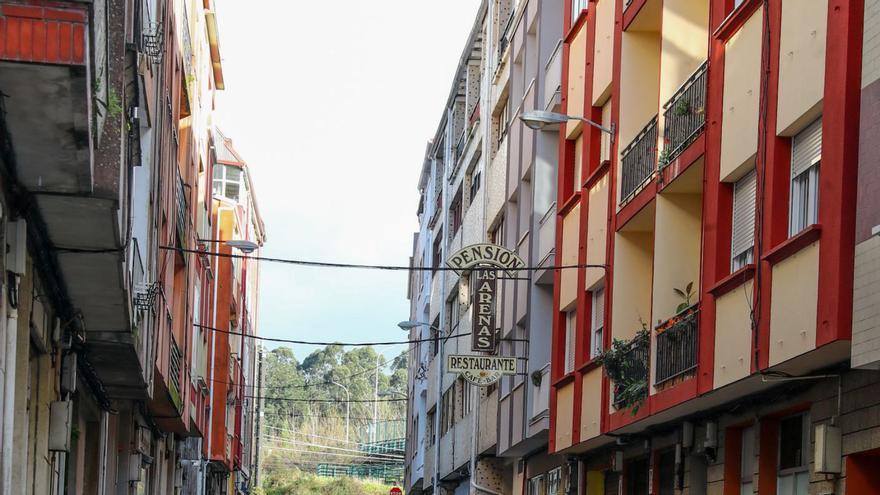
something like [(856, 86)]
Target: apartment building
[(233, 357), (107, 218), (727, 345), (487, 178)]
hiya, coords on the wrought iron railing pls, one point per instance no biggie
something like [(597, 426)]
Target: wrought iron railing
[(181, 209), (174, 362), (639, 160), (504, 39), (635, 364), (684, 116), (676, 346)]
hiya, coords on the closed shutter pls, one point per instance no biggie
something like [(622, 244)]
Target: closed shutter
[(570, 332), (605, 142), (806, 148), (743, 214), (598, 308)]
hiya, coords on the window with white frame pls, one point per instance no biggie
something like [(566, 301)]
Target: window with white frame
[(598, 322), (576, 7), (806, 154), (747, 462), (793, 474), (228, 181), (570, 333), (743, 233)]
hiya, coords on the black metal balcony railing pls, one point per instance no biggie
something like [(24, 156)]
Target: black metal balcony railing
[(174, 361), (504, 39), (635, 369), (677, 347), (181, 209), (639, 160), (684, 116), (460, 145)]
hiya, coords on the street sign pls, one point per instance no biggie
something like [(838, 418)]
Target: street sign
[(485, 255), (481, 370), (395, 490), (483, 334)]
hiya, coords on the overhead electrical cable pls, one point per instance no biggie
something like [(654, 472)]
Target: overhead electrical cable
[(338, 454), (325, 264), (337, 401), (296, 443), (344, 344)]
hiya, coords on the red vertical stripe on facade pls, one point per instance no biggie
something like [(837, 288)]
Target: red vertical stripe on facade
[(65, 42), (837, 189)]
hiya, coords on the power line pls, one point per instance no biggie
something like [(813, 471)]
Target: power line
[(342, 449), (325, 264), (339, 454), (324, 416), (337, 401), (344, 344), (284, 430)]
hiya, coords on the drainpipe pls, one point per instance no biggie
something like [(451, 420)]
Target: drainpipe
[(475, 445), (15, 263)]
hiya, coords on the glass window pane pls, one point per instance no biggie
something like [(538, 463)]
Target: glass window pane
[(791, 432)]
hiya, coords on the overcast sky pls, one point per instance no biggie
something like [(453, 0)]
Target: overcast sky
[(331, 104)]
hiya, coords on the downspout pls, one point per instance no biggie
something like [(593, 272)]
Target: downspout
[(474, 447), (15, 264)]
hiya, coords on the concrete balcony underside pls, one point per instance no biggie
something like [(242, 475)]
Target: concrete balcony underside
[(51, 157)]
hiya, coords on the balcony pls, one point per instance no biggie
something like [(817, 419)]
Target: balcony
[(676, 347), (181, 210), (174, 362), (631, 373), (461, 144), (684, 116), (504, 40), (638, 161)]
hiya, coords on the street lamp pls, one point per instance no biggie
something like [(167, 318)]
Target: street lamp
[(245, 246), (539, 119), (347, 407), (407, 326)]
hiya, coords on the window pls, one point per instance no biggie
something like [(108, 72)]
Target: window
[(793, 473), (435, 342), (474, 186), (503, 122), (743, 231), (596, 343), (806, 153), (447, 410), (435, 252), (455, 215), (496, 235), (537, 485), (570, 335), (228, 181), (467, 397), (747, 462), (453, 311), (429, 427), (576, 7)]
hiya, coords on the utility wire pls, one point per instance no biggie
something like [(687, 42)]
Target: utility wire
[(338, 454), (344, 344), (337, 401), (329, 447), (324, 264)]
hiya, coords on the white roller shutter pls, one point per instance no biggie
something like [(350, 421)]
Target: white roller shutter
[(744, 191), (598, 308), (570, 333), (806, 148)]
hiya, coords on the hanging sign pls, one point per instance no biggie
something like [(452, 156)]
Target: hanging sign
[(485, 255), (483, 335), (481, 370)]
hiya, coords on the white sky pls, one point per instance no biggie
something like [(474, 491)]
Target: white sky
[(331, 104)]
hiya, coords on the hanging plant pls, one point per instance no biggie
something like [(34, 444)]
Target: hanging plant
[(628, 369), (682, 107), (663, 157)]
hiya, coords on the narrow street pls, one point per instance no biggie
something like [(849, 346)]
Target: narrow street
[(458, 247)]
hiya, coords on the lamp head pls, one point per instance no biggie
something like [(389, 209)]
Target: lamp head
[(244, 246), (539, 119)]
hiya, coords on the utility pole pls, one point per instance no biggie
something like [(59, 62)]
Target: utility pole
[(375, 399)]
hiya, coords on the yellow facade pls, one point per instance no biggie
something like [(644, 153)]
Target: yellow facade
[(733, 335), (577, 58), (603, 52), (633, 260), (564, 415), (685, 42), (597, 227), (793, 305), (801, 63), (569, 256), (739, 128), (677, 243), (591, 404)]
